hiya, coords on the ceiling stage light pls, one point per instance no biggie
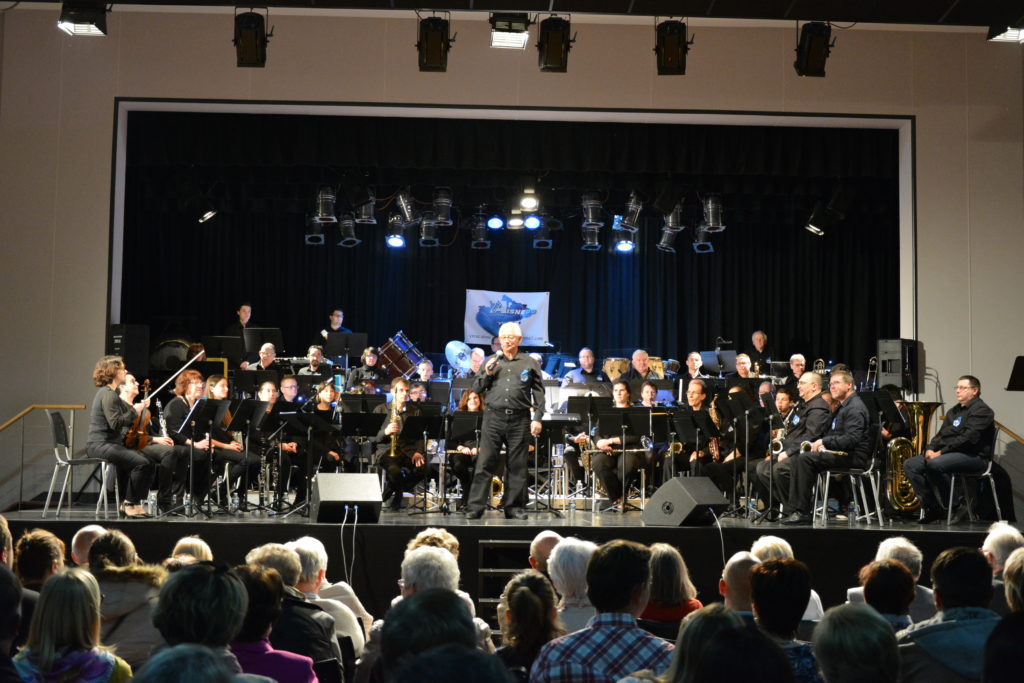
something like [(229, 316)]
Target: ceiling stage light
[(591, 203), (670, 47), (395, 237), (434, 43), (542, 237), (347, 224), (314, 233), (702, 241), (713, 213), (668, 240), (591, 238), (631, 218), (324, 210), (553, 45), (532, 222), (478, 236), (406, 205), (251, 38), (443, 206), (83, 18), (510, 30), (495, 222), (428, 230), (813, 49)]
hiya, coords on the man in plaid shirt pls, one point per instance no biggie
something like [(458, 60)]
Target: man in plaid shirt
[(612, 645)]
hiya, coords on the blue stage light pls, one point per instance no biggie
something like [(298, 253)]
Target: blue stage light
[(495, 222), (532, 222), (396, 241)]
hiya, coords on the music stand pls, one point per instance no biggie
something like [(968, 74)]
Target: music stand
[(423, 427), (255, 337), (312, 424), (249, 381), (459, 386), (694, 424), (626, 421), (663, 431), (439, 390), (774, 417), (711, 363), (205, 413), (232, 348), (341, 345), (550, 425), (1016, 381), (464, 426), (248, 415), (739, 406)]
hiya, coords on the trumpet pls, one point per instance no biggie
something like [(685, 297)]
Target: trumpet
[(805, 447)]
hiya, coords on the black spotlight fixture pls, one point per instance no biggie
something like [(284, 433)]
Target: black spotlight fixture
[(443, 206), (713, 213), (314, 233), (395, 236), (829, 215), (434, 42), (251, 37), (591, 203), (347, 223), (510, 30), (205, 208), (702, 240), (364, 206), (324, 209), (553, 45), (631, 216), (668, 240), (813, 48), (542, 236), (670, 47), (478, 235), (83, 18), (591, 238), (428, 230), (406, 205)]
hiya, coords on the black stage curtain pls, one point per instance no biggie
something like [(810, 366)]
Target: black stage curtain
[(828, 297)]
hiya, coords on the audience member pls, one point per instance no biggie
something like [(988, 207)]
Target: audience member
[(311, 575), (303, 628), (340, 591), (184, 663), (435, 537), (774, 548), (10, 620), (854, 645), (64, 639), (611, 645), (251, 646), (29, 598), (452, 662), (529, 620), (1004, 658), (37, 556), (567, 567), (889, 588), (541, 547), (902, 549), (734, 586), (673, 594), (424, 620), (194, 546), (1013, 580), (778, 591), (81, 541), (130, 591), (949, 646), (1002, 539), (747, 654)]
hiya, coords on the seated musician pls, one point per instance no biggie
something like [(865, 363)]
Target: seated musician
[(759, 469), (693, 365), (317, 365), (648, 395), (326, 449), (693, 454), (738, 440), (226, 447), (289, 390), (809, 421), (742, 377), (188, 388), (268, 356), (759, 352), (797, 366), (962, 445), (655, 456), (585, 373), (408, 465), (605, 463), (160, 448), (274, 447), (424, 371), (463, 456), (368, 370), (334, 323), (640, 368), (846, 444), (544, 374), (417, 392)]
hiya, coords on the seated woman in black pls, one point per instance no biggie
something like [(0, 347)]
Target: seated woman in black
[(368, 372), (463, 456)]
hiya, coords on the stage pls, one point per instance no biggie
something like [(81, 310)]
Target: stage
[(492, 548)]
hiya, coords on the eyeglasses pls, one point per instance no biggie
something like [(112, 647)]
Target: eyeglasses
[(509, 336), (961, 387)]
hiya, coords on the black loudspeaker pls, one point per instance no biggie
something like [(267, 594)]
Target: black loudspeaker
[(332, 492), (901, 362), (684, 500), (131, 342)]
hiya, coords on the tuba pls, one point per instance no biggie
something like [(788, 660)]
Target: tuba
[(900, 493)]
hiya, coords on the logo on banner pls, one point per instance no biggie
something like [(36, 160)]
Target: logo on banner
[(492, 315), (487, 311)]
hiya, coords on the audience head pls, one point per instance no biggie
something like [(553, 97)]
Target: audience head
[(66, 618), (888, 586), (670, 578), (265, 592), (742, 655), (435, 537), (176, 562), (429, 567), (81, 541), (772, 548), (779, 591), (453, 662), (1004, 659), (10, 608), (312, 562), (1013, 578), (428, 619), (961, 577), (194, 546), (618, 577), (112, 549), (900, 548), (203, 603), (853, 643), (734, 585), (185, 663), (567, 567), (695, 631), (6, 543), (541, 547), (38, 555), (276, 556), (1002, 539), (527, 613)]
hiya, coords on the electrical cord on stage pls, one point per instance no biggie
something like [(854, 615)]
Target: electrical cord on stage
[(355, 525), (344, 563), (721, 538)]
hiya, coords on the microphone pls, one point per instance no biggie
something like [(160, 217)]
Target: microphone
[(492, 363)]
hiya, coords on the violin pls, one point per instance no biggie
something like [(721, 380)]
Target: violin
[(138, 434)]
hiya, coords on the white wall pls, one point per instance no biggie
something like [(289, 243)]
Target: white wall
[(56, 122)]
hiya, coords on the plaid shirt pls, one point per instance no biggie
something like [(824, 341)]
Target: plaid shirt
[(609, 648)]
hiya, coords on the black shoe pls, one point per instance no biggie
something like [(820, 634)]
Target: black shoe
[(931, 515), (798, 518), (396, 501), (474, 514), (773, 515), (516, 513)]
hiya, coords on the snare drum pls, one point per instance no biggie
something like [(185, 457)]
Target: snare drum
[(613, 367)]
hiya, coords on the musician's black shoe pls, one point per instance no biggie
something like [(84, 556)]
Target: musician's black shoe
[(474, 513), (931, 515), (798, 518), (515, 513), (396, 501)]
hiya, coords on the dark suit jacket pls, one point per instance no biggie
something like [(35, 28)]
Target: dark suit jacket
[(305, 629), (814, 417), (849, 432), (923, 606)]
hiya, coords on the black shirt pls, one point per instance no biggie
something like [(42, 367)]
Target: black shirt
[(967, 429), (581, 376), (849, 432), (808, 422), (516, 384), (110, 417), (404, 446)]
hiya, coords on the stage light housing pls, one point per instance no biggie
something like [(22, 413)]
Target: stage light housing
[(347, 224), (532, 222), (314, 233), (207, 210), (443, 206), (496, 222), (478, 236), (813, 48), (668, 240), (323, 212), (702, 241), (529, 201), (713, 213), (83, 18), (671, 47), (591, 204), (1005, 34), (542, 237), (591, 238), (428, 230), (510, 31), (251, 38), (631, 217), (674, 219), (827, 216), (553, 45), (406, 206), (395, 237), (434, 43), (624, 242)]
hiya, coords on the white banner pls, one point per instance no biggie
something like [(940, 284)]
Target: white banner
[(487, 311)]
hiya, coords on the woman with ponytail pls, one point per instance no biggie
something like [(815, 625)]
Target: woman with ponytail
[(529, 619)]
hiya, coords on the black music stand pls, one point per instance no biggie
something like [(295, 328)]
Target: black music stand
[(341, 345), (1016, 381), (440, 390), (623, 422), (424, 427), (312, 424), (551, 425), (255, 337), (459, 386), (232, 348), (694, 426), (663, 431), (739, 406), (774, 417), (248, 415), (249, 381), (463, 426), (205, 413), (361, 425), (275, 424)]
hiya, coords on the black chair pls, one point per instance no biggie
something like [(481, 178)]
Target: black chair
[(328, 671), (348, 657), (66, 462), (872, 473), (668, 630), (965, 477)]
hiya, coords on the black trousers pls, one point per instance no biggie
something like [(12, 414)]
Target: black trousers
[(805, 470), (167, 459), (722, 473), (608, 470), (512, 430), (400, 473), (134, 468)]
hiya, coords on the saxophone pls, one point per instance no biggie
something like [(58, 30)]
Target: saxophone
[(394, 437), (714, 444)]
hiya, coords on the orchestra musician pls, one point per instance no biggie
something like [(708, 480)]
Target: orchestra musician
[(846, 444), (109, 421), (368, 370), (290, 442), (424, 371), (476, 359), (641, 368), (606, 465), (188, 388), (289, 389), (408, 465), (226, 447), (417, 392), (648, 395), (326, 449), (317, 366), (759, 352), (743, 376), (463, 455), (655, 456), (160, 448), (268, 356), (690, 457), (797, 366), (334, 324), (693, 365), (237, 329), (736, 443), (758, 470), (510, 384), (585, 373)]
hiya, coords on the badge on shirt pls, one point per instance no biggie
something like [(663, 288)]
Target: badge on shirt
[(524, 376), (956, 422), (796, 419), (834, 424)]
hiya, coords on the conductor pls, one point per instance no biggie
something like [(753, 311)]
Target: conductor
[(513, 392)]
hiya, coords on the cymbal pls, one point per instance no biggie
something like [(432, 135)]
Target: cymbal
[(457, 354)]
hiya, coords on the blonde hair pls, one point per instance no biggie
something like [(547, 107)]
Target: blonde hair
[(66, 618), (194, 546), (1013, 580), (772, 548), (435, 537), (670, 578)]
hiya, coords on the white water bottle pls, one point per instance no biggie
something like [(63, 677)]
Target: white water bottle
[(151, 503), (852, 512)]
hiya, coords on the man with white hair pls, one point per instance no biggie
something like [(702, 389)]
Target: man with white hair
[(901, 549), (82, 541), (512, 389), (1001, 541), (311, 576), (541, 547), (640, 369), (734, 586), (340, 591)]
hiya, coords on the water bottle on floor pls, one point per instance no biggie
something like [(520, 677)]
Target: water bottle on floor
[(151, 503), (853, 512)]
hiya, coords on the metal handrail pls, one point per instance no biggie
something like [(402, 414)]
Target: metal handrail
[(42, 406), (1000, 426), (19, 418)]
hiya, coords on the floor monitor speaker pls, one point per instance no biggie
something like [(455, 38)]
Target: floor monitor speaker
[(333, 492), (685, 500)]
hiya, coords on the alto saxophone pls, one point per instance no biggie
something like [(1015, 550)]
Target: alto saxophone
[(714, 443), (394, 435)]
